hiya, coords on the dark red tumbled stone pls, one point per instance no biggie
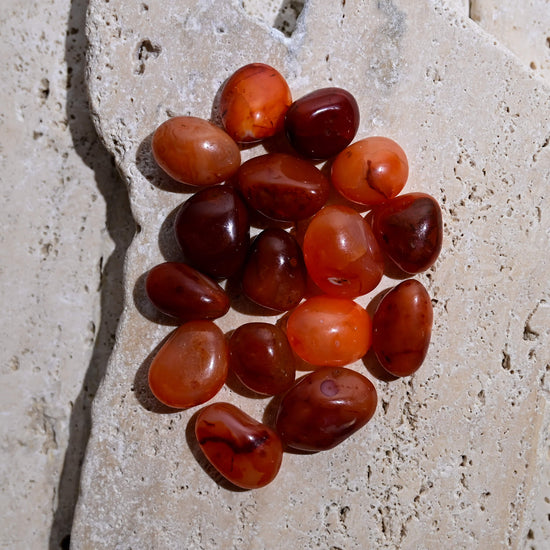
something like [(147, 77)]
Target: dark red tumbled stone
[(275, 274), (409, 229), (283, 187), (322, 123), (181, 291), (213, 230)]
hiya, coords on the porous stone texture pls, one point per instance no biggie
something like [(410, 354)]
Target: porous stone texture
[(65, 226), (450, 457), (61, 307), (523, 27)]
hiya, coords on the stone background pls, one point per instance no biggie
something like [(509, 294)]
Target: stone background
[(66, 225)]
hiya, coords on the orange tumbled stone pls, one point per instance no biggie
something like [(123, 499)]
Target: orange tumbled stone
[(254, 102), (194, 151), (245, 451), (370, 171), (191, 366)]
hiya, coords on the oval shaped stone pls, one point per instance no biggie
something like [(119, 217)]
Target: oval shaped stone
[(283, 187), (370, 171), (324, 408), (180, 291), (341, 253), (253, 103), (194, 151), (329, 331), (191, 367), (402, 328), (244, 451), (213, 230)]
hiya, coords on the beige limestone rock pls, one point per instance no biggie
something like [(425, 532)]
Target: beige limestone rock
[(55, 246), (449, 458), (523, 27)]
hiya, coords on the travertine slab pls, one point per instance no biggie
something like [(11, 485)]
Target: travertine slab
[(55, 245), (524, 27), (448, 459)]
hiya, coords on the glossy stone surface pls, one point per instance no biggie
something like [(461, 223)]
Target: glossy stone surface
[(409, 229), (329, 331), (261, 357), (341, 253), (178, 290), (324, 408), (275, 274), (245, 451), (253, 103), (191, 366), (194, 151), (213, 231), (402, 328), (322, 123), (370, 171), (283, 187)]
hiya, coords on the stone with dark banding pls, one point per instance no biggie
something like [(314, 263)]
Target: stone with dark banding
[(244, 451)]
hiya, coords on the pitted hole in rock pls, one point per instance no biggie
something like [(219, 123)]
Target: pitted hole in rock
[(282, 15), (146, 50)]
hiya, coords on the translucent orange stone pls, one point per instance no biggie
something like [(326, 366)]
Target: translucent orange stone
[(245, 451), (194, 151), (191, 367), (253, 103), (370, 171), (329, 331), (341, 253)]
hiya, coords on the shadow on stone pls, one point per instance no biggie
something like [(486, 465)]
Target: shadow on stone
[(141, 388), (121, 228), (146, 308), (167, 242), (152, 172)]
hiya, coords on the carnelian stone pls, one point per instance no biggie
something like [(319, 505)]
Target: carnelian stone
[(341, 253), (253, 103), (409, 228), (329, 331), (322, 123), (194, 151), (261, 357), (370, 171), (191, 366), (275, 274), (283, 187), (213, 230), (178, 290), (402, 328), (324, 408), (244, 451)]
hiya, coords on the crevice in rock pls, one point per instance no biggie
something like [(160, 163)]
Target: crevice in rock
[(287, 16), (281, 16), (120, 227)]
